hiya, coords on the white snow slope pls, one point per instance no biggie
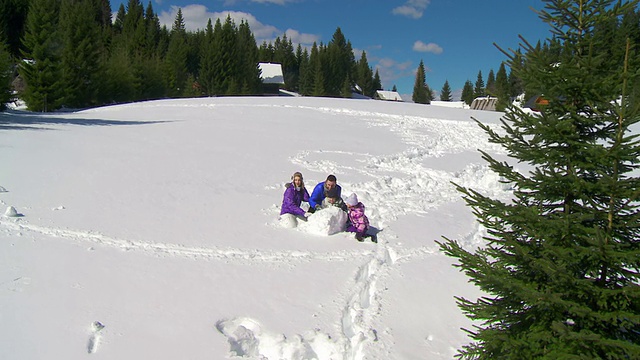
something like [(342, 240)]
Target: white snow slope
[(150, 230)]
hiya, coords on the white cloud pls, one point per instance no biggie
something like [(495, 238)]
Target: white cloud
[(430, 47), (390, 70), (196, 17), (300, 38), (412, 8)]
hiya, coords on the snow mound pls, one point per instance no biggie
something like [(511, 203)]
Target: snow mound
[(327, 221), (11, 212), (288, 221), (247, 339)]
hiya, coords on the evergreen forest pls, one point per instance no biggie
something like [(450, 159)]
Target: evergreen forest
[(72, 54)]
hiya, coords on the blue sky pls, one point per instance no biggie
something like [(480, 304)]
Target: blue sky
[(454, 38)]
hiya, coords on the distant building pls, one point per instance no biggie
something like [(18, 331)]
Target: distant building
[(387, 95), (535, 102), (484, 103), (272, 78)]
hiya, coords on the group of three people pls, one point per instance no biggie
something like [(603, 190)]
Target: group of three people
[(326, 193)]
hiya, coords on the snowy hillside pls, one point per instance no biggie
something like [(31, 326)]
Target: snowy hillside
[(150, 230)]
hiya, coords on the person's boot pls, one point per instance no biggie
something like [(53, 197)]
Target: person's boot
[(359, 237)]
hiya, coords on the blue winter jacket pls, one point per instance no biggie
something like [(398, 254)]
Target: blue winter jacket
[(318, 194)]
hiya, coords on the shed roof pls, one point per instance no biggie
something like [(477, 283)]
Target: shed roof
[(271, 73), (388, 95)]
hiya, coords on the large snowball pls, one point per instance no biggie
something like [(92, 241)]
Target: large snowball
[(327, 221)]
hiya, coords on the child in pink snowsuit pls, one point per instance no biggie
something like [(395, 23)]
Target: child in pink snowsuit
[(359, 223)]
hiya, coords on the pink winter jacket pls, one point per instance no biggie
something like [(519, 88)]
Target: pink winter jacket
[(357, 217)]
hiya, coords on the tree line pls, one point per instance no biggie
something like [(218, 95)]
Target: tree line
[(71, 53)]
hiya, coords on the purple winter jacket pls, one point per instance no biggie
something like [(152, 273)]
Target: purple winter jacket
[(292, 200), (358, 219)]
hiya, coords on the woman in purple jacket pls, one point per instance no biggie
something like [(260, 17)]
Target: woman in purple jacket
[(294, 195)]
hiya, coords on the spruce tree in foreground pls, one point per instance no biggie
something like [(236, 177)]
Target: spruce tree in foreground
[(562, 260)]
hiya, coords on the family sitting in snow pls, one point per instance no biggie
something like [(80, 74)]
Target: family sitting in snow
[(325, 194)]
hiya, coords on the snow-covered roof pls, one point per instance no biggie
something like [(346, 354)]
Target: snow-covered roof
[(484, 103), (271, 73), (388, 95)]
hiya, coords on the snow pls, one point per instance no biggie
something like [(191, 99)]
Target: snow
[(151, 230)]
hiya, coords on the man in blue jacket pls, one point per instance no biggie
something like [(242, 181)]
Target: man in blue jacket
[(327, 189)]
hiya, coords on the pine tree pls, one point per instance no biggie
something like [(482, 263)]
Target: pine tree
[(502, 89), (227, 61), (479, 89), (283, 54), (305, 84), (118, 23), (13, 16), (133, 27), (176, 60), (377, 83), (43, 48), (249, 72), (420, 95), (515, 83), (299, 60), (340, 61), (80, 35), (207, 67), (346, 88), (149, 73), (467, 93), (215, 68), (266, 52), (152, 38), (445, 93), (491, 84), (313, 68), (194, 42), (365, 76), (6, 75), (561, 266), (394, 88), (120, 78), (318, 83), (429, 92)]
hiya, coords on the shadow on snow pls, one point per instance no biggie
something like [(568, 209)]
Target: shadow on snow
[(17, 120)]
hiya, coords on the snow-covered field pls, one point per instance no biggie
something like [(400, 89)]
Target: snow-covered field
[(150, 230)]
